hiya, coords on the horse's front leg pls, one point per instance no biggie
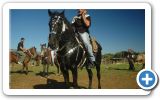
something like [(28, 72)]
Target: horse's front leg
[(98, 76), (43, 74), (90, 75), (27, 68), (66, 78), (23, 66), (58, 68), (74, 75), (65, 75), (47, 69)]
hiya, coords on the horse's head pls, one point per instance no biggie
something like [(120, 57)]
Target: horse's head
[(60, 29), (32, 51), (56, 23), (43, 46)]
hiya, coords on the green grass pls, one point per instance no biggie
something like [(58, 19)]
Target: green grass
[(122, 66), (111, 76)]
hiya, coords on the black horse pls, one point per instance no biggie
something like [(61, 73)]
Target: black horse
[(70, 52)]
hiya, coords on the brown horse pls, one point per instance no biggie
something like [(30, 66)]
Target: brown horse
[(38, 58), (47, 60), (36, 61), (13, 57), (141, 60), (29, 54)]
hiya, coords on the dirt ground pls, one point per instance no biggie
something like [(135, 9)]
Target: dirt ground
[(110, 79)]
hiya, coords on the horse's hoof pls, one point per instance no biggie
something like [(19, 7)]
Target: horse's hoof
[(26, 73), (43, 75), (58, 74), (22, 71), (46, 76), (89, 87), (71, 87)]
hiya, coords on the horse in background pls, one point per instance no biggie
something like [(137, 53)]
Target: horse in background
[(47, 60), (140, 58), (30, 53), (137, 58), (38, 59), (70, 52), (13, 57)]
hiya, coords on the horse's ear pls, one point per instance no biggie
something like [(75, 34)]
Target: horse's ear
[(49, 12), (62, 13)]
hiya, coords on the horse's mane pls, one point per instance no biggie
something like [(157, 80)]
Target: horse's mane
[(69, 31), (68, 24)]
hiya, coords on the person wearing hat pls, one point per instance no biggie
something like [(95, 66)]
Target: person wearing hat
[(21, 51)]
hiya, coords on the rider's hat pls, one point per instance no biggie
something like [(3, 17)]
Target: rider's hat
[(22, 38)]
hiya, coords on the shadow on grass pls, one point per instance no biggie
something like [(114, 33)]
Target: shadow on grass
[(42, 73), (53, 84), (20, 72)]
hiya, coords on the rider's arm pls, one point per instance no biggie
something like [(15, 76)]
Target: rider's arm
[(23, 49), (86, 21)]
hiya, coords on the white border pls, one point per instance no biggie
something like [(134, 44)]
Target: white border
[(6, 28)]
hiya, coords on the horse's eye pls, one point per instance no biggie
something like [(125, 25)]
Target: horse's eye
[(61, 18)]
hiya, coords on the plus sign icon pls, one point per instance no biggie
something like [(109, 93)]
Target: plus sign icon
[(147, 79)]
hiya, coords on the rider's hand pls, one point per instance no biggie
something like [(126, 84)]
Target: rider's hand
[(84, 12), (25, 50)]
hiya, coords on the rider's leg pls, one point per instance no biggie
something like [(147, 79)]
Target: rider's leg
[(86, 40), (22, 56)]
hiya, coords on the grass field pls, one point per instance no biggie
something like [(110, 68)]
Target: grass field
[(113, 76)]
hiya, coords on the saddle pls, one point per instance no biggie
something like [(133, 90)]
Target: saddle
[(95, 48), (94, 45), (17, 54)]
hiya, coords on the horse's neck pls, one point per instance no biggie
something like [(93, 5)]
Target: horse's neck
[(69, 39), (47, 52), (43, 49), (68, 35), (30, 51)]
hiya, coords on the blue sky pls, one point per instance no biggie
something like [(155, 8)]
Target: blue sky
[(115, 30)]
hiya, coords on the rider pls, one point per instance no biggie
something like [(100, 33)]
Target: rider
[(81, 24), (21, 51)]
